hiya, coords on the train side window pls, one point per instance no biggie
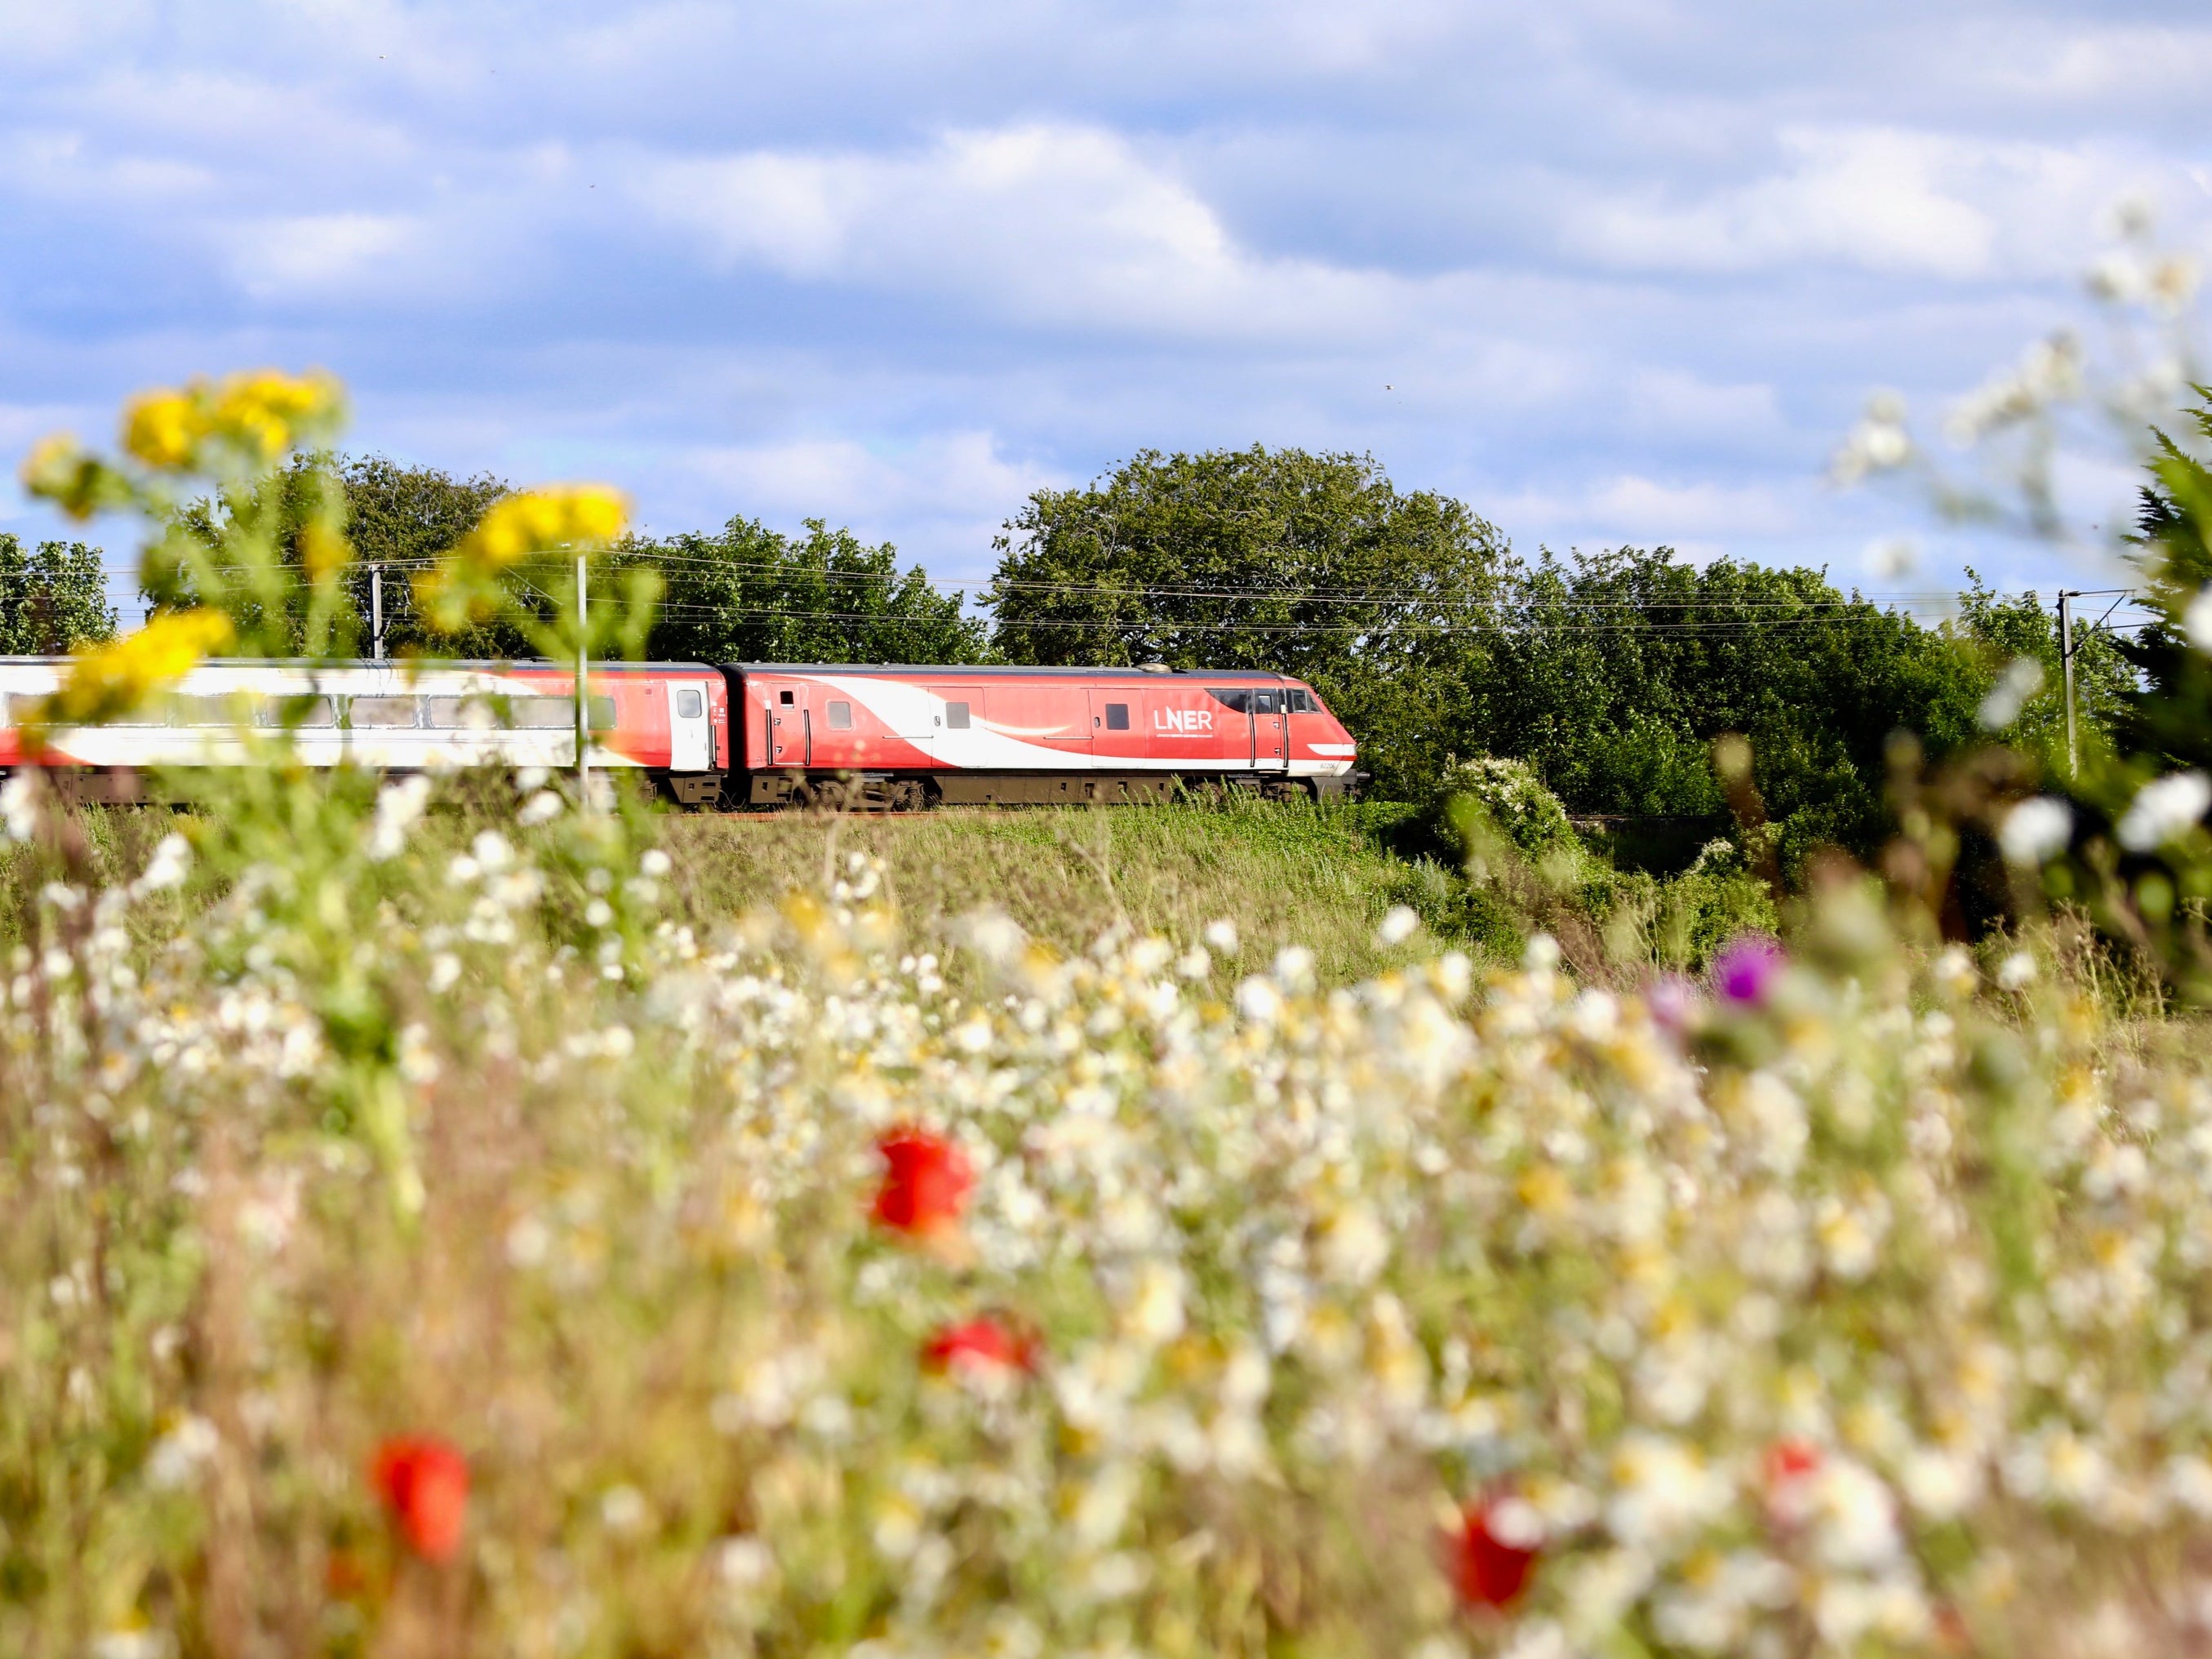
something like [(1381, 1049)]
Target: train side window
[(1263, 703), (690, 705), (1239, 701), (545, 714), (603, 713), (461, 713), (382, 712), (956, 716), (1117, 717), (784, 698), (841, 717)]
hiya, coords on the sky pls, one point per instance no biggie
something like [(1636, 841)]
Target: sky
[(1612, 271)]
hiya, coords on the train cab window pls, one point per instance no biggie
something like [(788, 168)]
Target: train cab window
[(382, 713), (1117, 717), (1301, 701), (956, 716), (1264, 703), (841, 717), (690, 705), (784, 698), (1239, 701)]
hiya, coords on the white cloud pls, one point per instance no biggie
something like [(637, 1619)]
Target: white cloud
[(1053, 224), (327, 255), (1878, 198)]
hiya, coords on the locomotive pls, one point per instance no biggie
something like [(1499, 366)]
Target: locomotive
[(738, 736)]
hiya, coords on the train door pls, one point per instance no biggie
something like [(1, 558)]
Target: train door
[(1114, 735), (690, 737), (790, 727), (956, 731), (1271, 733)]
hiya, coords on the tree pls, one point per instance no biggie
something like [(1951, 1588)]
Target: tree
[(52, 599), (402, 517), (752, 594), (1312, 565), (2161, 718)]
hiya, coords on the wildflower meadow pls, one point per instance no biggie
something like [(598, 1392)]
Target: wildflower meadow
[(431, 1233)]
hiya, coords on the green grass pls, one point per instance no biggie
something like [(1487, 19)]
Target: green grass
[(1312, 876)]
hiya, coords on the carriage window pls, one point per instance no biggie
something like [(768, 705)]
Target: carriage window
[(545, 714), (464, 713), (21, 705), (297, 711), (603, 713), (690, 705), (956, 716), (203, 711), (1117, 717), (784, 697), (380, 713), (841, 717), (1239, 701)]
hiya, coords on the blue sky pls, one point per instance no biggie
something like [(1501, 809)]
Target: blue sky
[(1610, 270)]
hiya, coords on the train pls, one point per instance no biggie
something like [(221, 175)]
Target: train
[(735, 736)]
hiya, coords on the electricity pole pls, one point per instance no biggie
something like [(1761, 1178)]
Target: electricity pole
[(376, 611), (2066, 658), (583, 697)]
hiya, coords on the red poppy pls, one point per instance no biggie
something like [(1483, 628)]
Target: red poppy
[(424, 1482), (926, 1183), (1790, 1465), (1487, 1570), (982, 1345)]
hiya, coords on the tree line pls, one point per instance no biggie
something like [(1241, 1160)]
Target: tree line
[(1611, 672)]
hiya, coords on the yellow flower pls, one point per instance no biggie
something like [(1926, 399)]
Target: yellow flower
[(107, 680), (323, 551), (561, 515), (59, 469), (266, 412), (164, 429), (261, 413)]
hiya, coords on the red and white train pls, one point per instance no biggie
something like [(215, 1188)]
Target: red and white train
[(742, 735)]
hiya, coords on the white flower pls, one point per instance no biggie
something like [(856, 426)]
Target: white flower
[(743, 1562), (19, 806), (171, 861), (622, 1510), (1259, 1001), (2036, 831), (655, 862), (543, 807), (2023, 679), (1542, 954), (399, 806), (2164, 808), (445, 969), (1397, 926), (492, 850), (177, 1456), (1222, 936), (2017, 971), (2196, 621)]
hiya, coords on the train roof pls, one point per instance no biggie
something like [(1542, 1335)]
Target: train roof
[(966, 671)]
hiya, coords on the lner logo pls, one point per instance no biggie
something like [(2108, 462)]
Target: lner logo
[(1188, 722)]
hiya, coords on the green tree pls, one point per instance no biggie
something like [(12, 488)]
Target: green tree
[(400, 518), (2161, 717), (52, 598), (1312, 565), (752, 594)]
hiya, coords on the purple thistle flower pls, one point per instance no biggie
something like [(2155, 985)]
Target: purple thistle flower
[(1673, 1001), (1746, 968)]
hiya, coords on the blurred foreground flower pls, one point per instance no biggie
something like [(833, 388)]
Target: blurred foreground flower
[(982, 1346), (464, 588), (107, 681), (1494, 1550), (926, 1183), (424, 1482), (1746, 968)]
